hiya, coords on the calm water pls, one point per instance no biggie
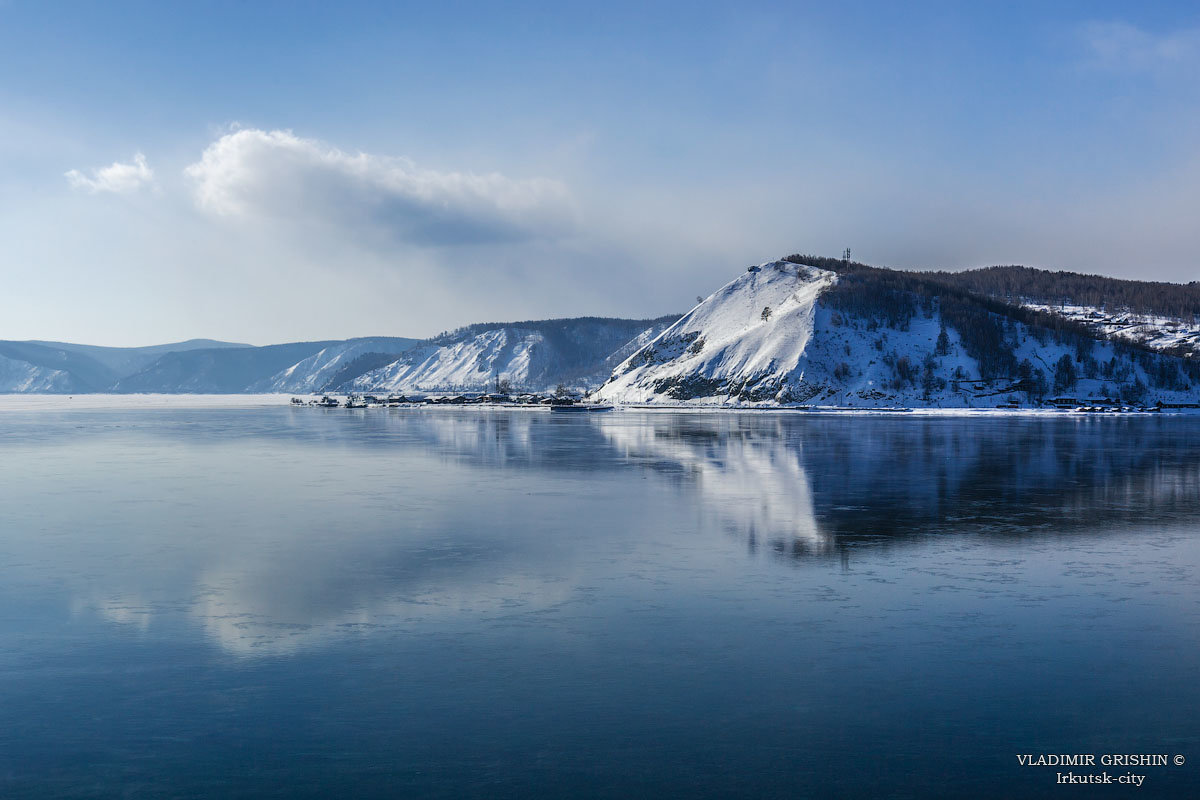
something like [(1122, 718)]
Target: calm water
[(276, 602)]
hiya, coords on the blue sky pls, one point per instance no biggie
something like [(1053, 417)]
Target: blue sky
[(276, 171)]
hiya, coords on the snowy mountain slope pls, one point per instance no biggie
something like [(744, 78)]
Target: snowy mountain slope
[(17, 376), (790, 334), (80, 372), (314, 372), (1161, 316), (62, 367), (742, 339), (1166, 334), (472, 364), (217, 371), (615, 358), (534, 355)]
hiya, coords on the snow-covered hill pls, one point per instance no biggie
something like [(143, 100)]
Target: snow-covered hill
[(17, 376), (216, 371), (540, 354), (531, 356), (128, 360), (743, 339), (1166, 334), (1162, 316), (805, 331), (789, 334), (314, 373), (61, 367)]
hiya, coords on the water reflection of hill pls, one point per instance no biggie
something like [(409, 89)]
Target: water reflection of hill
[(283, 530), (806, 484), (750, 478), (819, 485)]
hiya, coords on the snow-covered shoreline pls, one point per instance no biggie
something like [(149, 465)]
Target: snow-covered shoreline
[(19, 403), (906, 411)]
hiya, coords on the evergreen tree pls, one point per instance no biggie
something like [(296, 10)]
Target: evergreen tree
[(1064, 373), (943, 343)]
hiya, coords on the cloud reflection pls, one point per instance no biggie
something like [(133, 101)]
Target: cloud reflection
[(289, 531)]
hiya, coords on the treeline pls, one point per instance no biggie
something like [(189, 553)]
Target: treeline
[(1016, 283), (986, 325), (928, 285), (883, 294)]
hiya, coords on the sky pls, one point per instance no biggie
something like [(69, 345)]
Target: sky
[(281, 171)]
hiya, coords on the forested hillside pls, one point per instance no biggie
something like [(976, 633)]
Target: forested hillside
[(818, 331)]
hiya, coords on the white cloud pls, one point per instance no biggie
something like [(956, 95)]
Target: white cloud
[(257, 174), (117, 177), (1121, 46)]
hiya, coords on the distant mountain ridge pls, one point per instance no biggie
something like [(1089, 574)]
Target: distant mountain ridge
[(215, 371), (534, 355), (804, 330), (579, 352), (62, 367), (125, 360)]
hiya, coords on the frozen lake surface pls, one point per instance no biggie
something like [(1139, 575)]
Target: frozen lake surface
[(237, 598)]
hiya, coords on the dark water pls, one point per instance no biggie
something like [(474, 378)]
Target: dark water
[(297, 603)]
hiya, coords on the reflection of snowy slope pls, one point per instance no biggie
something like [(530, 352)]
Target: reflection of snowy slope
[(309, 527), (746, 473), (486, 438)]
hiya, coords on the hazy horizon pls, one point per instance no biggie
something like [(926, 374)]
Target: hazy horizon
[(293, 171), (493, 322)]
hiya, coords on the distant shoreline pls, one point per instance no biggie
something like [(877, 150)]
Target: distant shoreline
[(80, 402)]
